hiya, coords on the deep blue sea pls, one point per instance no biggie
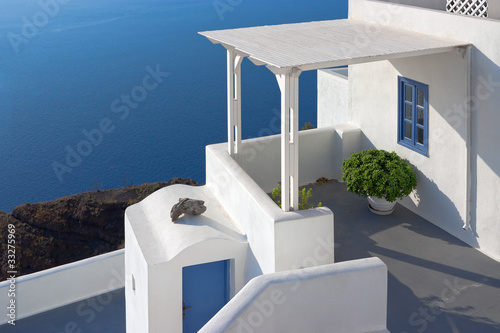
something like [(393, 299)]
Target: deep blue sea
[(69, 67)]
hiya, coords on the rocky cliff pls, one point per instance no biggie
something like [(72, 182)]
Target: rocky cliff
[(76, 227)]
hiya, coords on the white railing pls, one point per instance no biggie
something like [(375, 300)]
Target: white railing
[(349, 296), (62, 285)]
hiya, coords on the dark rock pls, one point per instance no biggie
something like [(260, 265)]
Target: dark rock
[(72, 228), (187, 206)]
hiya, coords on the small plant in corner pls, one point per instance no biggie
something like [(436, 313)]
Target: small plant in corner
[(304, 197), (380, 176), (307, 125)]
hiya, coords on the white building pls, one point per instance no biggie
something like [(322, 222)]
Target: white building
[(458, 164), (420, 81)]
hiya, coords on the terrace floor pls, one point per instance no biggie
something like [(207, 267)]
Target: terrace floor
[(100, 314), (436, 282)]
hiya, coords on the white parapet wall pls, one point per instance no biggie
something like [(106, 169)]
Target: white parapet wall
[(269, 230), (249, 207), (52, 288), (321, 152), (349, 297)]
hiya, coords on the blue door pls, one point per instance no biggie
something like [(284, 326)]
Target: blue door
[(205, 290)]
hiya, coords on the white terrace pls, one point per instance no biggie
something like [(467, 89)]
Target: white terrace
[(266, 247), (242, 224)]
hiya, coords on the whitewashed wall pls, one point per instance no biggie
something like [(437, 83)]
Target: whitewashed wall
[(268, 239), (304, 239), (250, 208), (494, 9), (157, 250), (136, 301), (333, 97), (321, 152), (267, 227), (442, 177), (52, 288), (441, 194), (261, 157), (344, 297), (165, 281), (155, 304)]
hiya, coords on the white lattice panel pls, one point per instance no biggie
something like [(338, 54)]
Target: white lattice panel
[(468, 7)]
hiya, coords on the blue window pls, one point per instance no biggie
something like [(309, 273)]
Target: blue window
[(413, 115)]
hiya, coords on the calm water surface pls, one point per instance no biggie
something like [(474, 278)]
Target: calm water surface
[(66, 69)]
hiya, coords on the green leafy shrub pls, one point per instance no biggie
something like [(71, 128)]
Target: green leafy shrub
[(304, 197), (378, 173)]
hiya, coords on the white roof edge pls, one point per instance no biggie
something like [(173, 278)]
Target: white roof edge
[(161, 240), (346, 62), (324, 44)]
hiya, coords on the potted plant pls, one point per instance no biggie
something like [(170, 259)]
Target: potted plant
[(380, 176)]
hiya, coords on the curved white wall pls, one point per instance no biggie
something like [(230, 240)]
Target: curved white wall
[(155, 302), (344, 297)]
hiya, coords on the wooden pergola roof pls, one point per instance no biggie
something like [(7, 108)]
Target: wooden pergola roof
[(323, 44)]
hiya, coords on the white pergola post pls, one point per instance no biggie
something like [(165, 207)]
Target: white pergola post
[(289, 86), (233, 102)]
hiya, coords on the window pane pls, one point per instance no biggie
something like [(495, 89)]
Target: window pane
[(408, 112), (407, 130), (420, 116), (408, 93), (420, 135), (420, 97)]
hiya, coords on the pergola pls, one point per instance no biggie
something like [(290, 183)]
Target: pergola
[(289, 49)]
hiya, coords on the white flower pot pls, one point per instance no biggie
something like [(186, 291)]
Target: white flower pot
[(380, 206)]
